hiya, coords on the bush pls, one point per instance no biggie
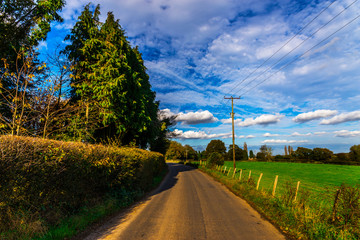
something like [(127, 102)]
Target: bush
[(51, 179), (215, 159)]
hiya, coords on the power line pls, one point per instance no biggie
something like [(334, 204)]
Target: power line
[(296, 47), (325, 39), (257, 68)]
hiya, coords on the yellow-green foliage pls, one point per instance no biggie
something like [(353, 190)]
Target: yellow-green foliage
[(50, 179)]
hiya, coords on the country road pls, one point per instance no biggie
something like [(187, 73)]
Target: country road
[(188, 205)]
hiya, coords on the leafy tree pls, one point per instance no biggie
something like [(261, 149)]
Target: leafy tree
[(175, 151), (214, 159), (321, 154), (354, 154), (23, 24), (26, 22), (265, 152), (302, 153), (109, 75), (217, 146), (251, 154), (245, 147), (190, 152), (260, 156), (240, 154)]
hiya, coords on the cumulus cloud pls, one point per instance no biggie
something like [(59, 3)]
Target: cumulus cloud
[(270, 135), (180, 134), (320, 133), (341, 118), (296, 134), (190, 118), (264, 119), (305, 117), (196, 117), (284, 141), (165, 113), (347, 133), (248, 136)]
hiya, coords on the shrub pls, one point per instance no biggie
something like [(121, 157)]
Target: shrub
[(51, 179), (215, 159)]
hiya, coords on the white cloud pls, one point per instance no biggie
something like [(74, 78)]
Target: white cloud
[(198, 135), (42, 45), (284, 141), (165, 113), (264, 119), (305, 117), (270, 135), (320, 133), (248, 136), (196, 117), (341, 118), (347, 133), (190, 118), (296, 134)]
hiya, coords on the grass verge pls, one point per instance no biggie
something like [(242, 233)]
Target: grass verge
[(300, 219)]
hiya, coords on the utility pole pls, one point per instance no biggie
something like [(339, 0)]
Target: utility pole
[(233, 127)]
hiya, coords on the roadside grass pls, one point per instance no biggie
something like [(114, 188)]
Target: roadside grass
[(312, 215)]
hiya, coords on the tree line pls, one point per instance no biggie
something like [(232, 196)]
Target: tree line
[(216, 153), (95, 89)]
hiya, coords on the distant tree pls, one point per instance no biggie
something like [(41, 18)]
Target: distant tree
[(266, 151), (260, 156), (240, 154), (214, 159), (321, 154), (217, 146), (286, 152), (190, 153), (245, 147), (175, 151), (201, 155), (354, 154), (251, 154), (341, 158), (290, 150), (302, 153)]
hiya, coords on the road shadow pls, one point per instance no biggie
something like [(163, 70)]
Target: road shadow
[(107, 225), (171, 178)]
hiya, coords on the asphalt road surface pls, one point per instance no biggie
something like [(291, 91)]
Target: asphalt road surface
[(188, 205)]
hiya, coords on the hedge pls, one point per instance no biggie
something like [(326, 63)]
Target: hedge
[(49, 179)]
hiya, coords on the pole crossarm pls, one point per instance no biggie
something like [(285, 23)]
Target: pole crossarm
[(233, 127)]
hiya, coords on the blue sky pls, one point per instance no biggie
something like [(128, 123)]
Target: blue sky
[(295, 64)]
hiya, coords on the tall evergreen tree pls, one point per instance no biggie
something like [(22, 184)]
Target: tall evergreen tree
[(110, 77)]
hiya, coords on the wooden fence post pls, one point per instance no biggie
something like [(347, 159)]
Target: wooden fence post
[(229, 171), (225, 170), (297, 189), (249, 176), (240, 174), (258, 183), (275, 183), (234, 173)]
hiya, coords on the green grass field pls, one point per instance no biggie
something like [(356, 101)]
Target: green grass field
[(323, 178)]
